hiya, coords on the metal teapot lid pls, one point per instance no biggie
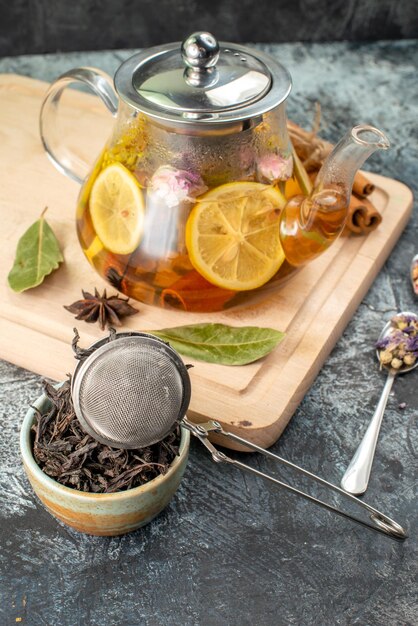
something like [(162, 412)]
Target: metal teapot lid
[(202, 81)]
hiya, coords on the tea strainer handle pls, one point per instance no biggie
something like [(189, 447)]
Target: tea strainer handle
[(65, 160), (376, 520)]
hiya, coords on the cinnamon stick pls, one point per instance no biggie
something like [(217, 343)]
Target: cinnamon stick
[(362, 186), (362, 217), (192, 292), (312, 151)]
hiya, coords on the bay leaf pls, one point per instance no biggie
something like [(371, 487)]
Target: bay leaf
[(37, 255), (222, 344)]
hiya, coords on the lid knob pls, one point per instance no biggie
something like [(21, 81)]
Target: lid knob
[(200, 51)]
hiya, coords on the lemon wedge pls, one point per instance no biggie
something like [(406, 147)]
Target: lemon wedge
[(117, 209), (232, 235)]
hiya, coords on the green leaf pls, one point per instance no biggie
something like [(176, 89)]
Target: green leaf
[(218, 343), (37, 255)]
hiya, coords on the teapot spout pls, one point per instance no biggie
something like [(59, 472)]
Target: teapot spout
[(310, 224)]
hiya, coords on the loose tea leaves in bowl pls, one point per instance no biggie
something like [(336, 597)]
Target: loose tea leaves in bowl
[(73, 458)]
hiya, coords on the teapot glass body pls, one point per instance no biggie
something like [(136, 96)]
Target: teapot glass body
[(188, 220)]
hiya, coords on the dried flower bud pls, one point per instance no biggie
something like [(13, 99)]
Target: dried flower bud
[(409, 359), (385, 356), (396, 363), (402, 321), (412, 345), (414, 273), (175, 186), (273, 167)]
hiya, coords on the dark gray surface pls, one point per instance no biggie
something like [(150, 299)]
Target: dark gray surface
[(229, 549), (37, 26)]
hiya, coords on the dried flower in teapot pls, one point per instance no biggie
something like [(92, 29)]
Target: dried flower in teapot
[(174, 186), (274, 167)]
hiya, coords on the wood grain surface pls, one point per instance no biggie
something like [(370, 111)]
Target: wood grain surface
[(257, 400)]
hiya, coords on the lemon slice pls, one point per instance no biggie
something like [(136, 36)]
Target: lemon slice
[(232, 235), (117, 209)]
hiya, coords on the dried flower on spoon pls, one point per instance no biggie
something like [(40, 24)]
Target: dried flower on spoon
[(106, 310), (414, 274), (400, 347)]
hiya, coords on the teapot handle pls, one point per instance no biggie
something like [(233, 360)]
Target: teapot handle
[(64, 160)]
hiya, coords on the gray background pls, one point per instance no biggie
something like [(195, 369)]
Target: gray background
[(36, 26)]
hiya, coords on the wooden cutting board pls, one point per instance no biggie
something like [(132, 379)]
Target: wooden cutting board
[(256, 401)]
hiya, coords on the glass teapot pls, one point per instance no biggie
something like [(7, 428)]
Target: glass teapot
[(187, 206)]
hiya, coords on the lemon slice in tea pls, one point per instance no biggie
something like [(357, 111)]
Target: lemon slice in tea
[(232, 235), (117, 209)]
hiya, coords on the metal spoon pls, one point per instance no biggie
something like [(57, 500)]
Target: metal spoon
[(357, 474)]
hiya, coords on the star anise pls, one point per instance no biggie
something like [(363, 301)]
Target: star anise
[(106, 310), (114, 278)]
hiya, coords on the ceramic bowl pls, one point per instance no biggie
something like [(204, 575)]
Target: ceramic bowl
[(99, 513)]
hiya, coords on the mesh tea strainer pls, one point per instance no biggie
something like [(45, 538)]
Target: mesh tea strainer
[(130, 389)]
